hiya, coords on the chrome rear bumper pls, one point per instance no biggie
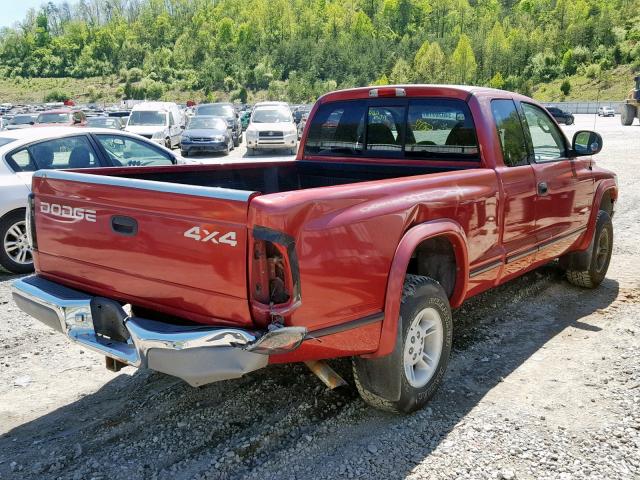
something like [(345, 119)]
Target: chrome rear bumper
[(197, 354)]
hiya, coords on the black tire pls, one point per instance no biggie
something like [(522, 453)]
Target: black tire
[(184, 153), (167, 143), (384, 383), (628, 114), (602, 246), (569, 121), (237, 141), (7, 226)]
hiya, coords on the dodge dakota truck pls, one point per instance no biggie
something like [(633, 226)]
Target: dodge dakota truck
[(402, 203)]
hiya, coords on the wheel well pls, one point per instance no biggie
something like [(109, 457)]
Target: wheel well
[(436, 259), (606, 203), (11, 212)]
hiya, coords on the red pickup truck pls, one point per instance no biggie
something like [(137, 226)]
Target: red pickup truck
[(402, 203)]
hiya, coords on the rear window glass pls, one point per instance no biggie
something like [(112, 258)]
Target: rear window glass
[(417, 128), (54, 118)]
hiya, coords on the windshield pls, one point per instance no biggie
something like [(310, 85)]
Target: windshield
[(21, 120), (215, 110), (101, 122), (213, 123), (4, 141), (54, 118), (272, 115), (147, 118)]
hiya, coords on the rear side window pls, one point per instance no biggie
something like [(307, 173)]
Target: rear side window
[(415, 128), (509, 126), (337, 129), (68, 152)]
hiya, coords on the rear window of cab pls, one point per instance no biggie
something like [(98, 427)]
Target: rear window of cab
[(420, 128)]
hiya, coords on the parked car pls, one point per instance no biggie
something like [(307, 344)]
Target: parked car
[(206, 134), (62, 117), (113, 123), (561, 116), (271, 127), (23, 152), (245, 116), (22, 121), (226, 111), (302, 124), (300, 112), (123, 115), (403, 202), (606, 111), (161, 122)]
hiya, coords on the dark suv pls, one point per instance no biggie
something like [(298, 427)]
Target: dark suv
[(561, 116), (226, 111)]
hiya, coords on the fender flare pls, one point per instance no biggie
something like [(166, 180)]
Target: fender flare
[(608, 185), (395, 281)]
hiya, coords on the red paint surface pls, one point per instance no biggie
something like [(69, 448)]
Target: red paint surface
[(353, 242)]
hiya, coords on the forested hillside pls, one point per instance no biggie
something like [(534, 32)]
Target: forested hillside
[(297, 49)]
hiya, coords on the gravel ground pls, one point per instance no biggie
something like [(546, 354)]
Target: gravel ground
[(544, 383)]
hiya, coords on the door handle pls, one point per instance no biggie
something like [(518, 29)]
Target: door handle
[(543, 188)]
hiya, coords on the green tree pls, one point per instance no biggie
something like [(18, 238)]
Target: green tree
[(463, 62), (401, 72), (430, 64), (497, 81)]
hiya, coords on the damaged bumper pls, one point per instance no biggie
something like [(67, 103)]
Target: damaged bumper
[(197, 354)]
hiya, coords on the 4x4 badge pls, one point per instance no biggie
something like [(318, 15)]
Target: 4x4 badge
[(203, 235)]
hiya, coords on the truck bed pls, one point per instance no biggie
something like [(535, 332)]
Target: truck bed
[(281, 177)]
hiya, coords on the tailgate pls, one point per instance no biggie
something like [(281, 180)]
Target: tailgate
[(174, 248)]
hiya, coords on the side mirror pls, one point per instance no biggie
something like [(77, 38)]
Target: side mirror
[(586, 142)]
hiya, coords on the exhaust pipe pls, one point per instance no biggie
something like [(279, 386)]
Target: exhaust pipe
[(325, 373)]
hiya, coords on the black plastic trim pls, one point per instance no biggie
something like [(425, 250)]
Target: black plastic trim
[(360, 322), (485, 268)]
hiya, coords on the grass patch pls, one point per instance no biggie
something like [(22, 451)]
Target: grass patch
[(612, 85)]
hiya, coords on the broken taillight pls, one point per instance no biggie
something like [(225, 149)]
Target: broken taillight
[(271, 281), (274, 276)]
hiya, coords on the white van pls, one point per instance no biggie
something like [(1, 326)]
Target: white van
[(162, 122)]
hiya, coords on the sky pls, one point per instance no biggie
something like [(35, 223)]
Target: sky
[(12, 11)]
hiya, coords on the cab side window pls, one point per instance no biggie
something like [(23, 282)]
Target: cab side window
[(510, 132), (546, 139)]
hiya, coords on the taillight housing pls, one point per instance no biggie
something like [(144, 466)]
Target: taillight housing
[(274, 286), (31, 222)]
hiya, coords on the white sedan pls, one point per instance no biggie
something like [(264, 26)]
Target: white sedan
[(22, 152)]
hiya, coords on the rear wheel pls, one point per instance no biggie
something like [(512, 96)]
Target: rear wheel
[(628, 114), (167, 143), (237, 140), (405, 380), (602, 247), (184, 153), (15, 255)]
